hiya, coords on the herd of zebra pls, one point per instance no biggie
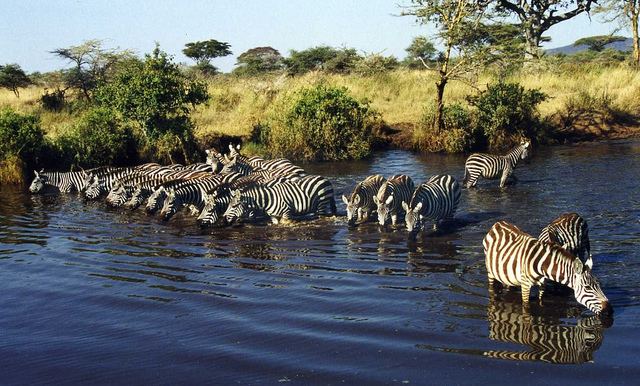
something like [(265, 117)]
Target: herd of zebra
[(232, 188)]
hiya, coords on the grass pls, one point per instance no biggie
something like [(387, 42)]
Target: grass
[(400, 96)]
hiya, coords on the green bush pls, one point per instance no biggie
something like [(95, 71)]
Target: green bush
[(376, 64), (459, 132), (99, 138), (506, 110), (321, 123), (20, 136)]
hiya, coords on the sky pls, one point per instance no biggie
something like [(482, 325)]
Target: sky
[(30, 29)]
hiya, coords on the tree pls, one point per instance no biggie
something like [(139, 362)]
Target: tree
[(457, 22), (92, 64), (626, 13), (537, 16), (203, 52), (259, 60), (12, 78), (598, 43), (420, 52), (321, 58), (156, 95)]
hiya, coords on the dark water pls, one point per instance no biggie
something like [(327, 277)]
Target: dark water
[(92, 295)]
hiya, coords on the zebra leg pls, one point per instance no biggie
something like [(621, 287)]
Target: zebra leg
[(394, 219), (526, 293), (540, 291), (505, 176), (473, 178)]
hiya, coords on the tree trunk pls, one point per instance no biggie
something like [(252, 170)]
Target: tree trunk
[(439, 119), (532, 43), (636, 38)]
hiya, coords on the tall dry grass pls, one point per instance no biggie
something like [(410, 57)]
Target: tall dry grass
[(400, 96)]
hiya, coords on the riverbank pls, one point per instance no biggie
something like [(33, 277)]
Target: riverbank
[(583, 104)]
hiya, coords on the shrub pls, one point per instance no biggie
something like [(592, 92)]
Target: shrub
[(376, 64), (321, 123), (52, 100), (506, 110), (99, 138), (459, 132), (20, 136)]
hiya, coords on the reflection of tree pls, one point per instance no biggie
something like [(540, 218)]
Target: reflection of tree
[(546, 342)]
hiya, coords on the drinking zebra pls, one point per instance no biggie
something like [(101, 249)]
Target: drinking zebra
[(552, 343), (435, 200), (492, 166), (284, 201), (571, 232), (64, 182), (100, 183), (515, 258), (391, 194), (360, 203)]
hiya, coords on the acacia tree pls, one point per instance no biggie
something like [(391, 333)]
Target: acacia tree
[(420, 52), (91, 63), (457, 22), (12, 78), (598, 43), (203, 52), (625, 12), (259, 60), (537, 16)]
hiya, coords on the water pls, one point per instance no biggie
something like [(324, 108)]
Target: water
[(93, 295)]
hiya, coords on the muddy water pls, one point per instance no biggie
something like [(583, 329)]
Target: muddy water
[(90, 294)]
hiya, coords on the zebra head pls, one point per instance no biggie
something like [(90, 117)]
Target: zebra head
[(171, 205), (587, 289), (137, 197), (525, 145), (412, 217), (384, 206), (38, 183), (213, 159), (156, 200), (234, 150), (210, 214), (231, 166), (95, 188), (237, 208), (354, 210), (117, 195)]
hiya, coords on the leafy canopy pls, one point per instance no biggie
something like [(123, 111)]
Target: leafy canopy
[(12, 78)]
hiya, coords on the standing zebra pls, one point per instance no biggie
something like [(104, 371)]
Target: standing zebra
[(360, 203), (282, 201), (435, 200), (493, 166), (571, 232), (391, 194), (515, 258), (65, 182)]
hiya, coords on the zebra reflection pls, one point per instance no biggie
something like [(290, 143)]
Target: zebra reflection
[(546, 342)]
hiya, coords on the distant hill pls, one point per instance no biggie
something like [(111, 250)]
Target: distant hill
[(625, 45)]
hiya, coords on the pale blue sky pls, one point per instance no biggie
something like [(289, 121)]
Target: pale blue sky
[(29, 29)]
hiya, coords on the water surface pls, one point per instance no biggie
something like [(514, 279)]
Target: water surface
[(94, 295)]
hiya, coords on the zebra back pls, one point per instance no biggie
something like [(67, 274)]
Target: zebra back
[(571, 232), (514, 258)]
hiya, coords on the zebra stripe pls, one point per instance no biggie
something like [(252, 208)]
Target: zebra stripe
[(360, 203), (492, 166), (435, 200), (571, 232), (390, 196), (515, 258), (100, 183), (552, 343), (65, 182), (282, 201)]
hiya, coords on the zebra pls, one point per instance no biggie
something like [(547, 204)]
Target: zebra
[(571, 232), (390, 196), (100, 183), (215, 160), (241, 164), (64, 182), (435, 200), (552, 343), (360, 203), (215, 204), (283, 201), (515, 258), (492, 166)]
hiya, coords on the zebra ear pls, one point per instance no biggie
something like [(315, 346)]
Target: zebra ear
[(389, 200), (208, 152), (376, 200), (42, 170), (356, 200), (405, 206), (589, 263), (578, 267), (418, 207), (345, 199), (36, 173)]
